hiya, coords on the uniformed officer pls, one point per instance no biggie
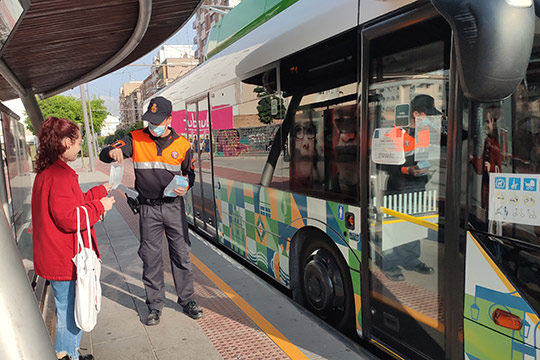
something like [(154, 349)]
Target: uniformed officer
[(159, 153)]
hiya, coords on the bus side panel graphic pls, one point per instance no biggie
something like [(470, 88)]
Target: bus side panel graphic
[(258, 223), (488, 289)]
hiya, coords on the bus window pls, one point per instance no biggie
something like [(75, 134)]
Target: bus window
[(504, 178), (407, 163), (324, 164), (324, 150), (245, 119)]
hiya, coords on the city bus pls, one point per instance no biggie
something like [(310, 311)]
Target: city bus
[(380, 159)]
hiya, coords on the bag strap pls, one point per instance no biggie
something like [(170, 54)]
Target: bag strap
[(88, 228), (80, 242)]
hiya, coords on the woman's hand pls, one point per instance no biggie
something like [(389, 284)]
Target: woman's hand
[(107, 202), (108, 186)]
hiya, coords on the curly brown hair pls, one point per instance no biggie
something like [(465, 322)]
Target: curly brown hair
[(50, 138)]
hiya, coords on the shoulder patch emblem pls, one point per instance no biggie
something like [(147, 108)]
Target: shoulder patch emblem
[(174, 155), (118, 144)]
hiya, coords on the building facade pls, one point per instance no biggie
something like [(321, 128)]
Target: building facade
[(171, 62), (110, 125), (131, 102), (208, 14)]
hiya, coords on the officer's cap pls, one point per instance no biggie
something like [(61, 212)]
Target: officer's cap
[(424, 103), (158, 110)]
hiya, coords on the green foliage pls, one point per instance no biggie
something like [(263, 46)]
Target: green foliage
[(138, 125), (70, 107), (264, 108)]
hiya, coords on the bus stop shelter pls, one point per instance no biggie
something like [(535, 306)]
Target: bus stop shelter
[(48, 47)]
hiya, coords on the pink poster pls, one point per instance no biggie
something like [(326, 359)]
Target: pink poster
[(222, 119), (179, 121), (203, 123)]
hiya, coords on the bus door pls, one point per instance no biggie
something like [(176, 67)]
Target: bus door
[(203, 190), (407, 85)]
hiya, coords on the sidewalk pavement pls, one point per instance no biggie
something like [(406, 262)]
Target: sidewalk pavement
[(225, 332), (120, 332)]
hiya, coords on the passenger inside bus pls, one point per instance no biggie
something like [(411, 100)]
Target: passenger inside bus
[(410, 177)]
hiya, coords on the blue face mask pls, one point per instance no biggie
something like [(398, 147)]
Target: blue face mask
[(157, 130)]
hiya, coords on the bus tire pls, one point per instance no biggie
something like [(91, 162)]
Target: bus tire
[(326, 283)]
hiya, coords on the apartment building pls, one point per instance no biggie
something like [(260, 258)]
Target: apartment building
[(131, 102), (171, 62), (208, 14)]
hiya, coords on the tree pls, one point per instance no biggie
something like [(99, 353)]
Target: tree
[(264, 109), (69, 107)]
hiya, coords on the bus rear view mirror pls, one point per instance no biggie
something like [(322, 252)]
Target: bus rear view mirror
[(493, 40)]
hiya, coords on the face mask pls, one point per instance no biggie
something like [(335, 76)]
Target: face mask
[(157, 130)]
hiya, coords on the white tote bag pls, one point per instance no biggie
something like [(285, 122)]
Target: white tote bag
[(87, 287)]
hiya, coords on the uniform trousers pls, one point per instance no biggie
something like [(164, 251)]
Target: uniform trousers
[(155, 219)]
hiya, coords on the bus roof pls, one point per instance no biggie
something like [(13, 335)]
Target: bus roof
[(303, 24), (243, 18)]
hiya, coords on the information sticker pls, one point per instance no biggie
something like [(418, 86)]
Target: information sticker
[(514, 198), (387, 146)]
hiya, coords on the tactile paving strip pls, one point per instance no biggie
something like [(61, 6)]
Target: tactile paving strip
[(233, 334)]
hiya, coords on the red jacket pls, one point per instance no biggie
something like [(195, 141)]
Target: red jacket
[(55, 197)]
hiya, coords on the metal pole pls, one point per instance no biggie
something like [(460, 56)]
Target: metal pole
[(32, 109), (23, 334), (94, 137), (87, 130)]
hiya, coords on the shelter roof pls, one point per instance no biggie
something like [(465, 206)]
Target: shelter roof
[(59, 44)]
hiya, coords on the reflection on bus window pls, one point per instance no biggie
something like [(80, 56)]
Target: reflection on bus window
[(245, 120), (506, 145), (345, 147), (306, 150), (323, 145)]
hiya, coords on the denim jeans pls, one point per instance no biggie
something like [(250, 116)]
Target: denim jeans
[(68, 336)]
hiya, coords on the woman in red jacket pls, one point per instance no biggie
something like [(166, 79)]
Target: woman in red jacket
[(55, 197)]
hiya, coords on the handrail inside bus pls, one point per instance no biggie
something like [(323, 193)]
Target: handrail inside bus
[(277, 144), (409, 218)]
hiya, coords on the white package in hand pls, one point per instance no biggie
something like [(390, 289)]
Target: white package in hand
[(116, 174), (177, 182)]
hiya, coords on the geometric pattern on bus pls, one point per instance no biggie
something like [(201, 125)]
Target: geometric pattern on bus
[(258, 223), (486, 289)]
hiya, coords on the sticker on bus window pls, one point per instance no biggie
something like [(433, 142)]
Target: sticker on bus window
[(402, 115), (387, 146), (427, 138), (514, 198)]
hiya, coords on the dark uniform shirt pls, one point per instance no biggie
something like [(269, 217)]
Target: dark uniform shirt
[(156, 160)]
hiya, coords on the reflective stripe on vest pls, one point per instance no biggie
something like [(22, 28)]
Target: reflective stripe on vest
[(145, 152), (156, 165)]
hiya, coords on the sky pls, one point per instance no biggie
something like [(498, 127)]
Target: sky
[(108, 87)]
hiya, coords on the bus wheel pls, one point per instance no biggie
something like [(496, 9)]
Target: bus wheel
[(326, 285)]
